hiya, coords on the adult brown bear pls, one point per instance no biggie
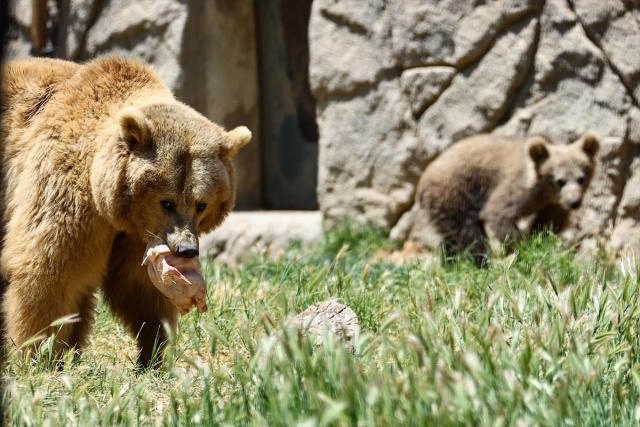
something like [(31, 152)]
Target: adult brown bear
[(97, 160)]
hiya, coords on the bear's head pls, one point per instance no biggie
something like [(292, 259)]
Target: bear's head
[(164, 170), (564, 170)]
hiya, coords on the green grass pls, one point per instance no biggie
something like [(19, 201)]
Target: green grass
[(539, 337)]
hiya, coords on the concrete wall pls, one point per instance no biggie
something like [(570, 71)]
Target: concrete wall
[(220, 66)]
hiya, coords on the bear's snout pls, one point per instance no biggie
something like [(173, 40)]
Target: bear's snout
[(571, 195), (187, 250), (575, 203), (183, 242)]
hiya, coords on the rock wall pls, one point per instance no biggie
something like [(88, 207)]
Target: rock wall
[(397, 81), (151, 30)]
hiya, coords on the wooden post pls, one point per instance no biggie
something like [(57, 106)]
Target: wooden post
[(39, 32)]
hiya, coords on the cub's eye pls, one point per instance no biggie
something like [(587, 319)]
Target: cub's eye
[(581, 180), (168, 205), (201, 207), (560, 183)]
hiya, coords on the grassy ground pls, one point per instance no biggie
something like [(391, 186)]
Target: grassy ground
[(538, 338)]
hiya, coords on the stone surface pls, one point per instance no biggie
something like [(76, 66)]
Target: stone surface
[(626, 231), (479, 97), (367, 151), (151, 30), (613, 26), (231, 90), (423, 85), (336, 318), (348, 42), (462, 67), (246, 234), (450, 32)]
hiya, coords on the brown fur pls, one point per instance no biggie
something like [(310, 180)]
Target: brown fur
[(96, 159), (482, 186)]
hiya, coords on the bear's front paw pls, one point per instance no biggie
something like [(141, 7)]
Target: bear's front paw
[(178, 278)]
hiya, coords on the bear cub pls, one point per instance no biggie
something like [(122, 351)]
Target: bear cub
[(478, 190)]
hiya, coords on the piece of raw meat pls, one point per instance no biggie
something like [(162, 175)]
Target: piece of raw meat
[(179, 279)]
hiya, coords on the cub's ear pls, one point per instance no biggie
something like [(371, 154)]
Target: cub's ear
[(590, 143), (135, 128), (537, 148), (236, 139)]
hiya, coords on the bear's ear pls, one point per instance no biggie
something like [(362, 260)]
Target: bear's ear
[(590, 143), (537, 148), (236, 139), (135, 128)]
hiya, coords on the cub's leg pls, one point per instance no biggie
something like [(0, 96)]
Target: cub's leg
[(500, 215), (456, 219), (554, 216), (501, 229), (135, 300), (464, 234)]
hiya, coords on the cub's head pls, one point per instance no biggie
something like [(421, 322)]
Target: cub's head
[(166, 171), (565, 171)]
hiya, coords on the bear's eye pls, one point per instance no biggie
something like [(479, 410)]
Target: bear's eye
[(560, 183), (201, 207), (581, 180), (168, 205)]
